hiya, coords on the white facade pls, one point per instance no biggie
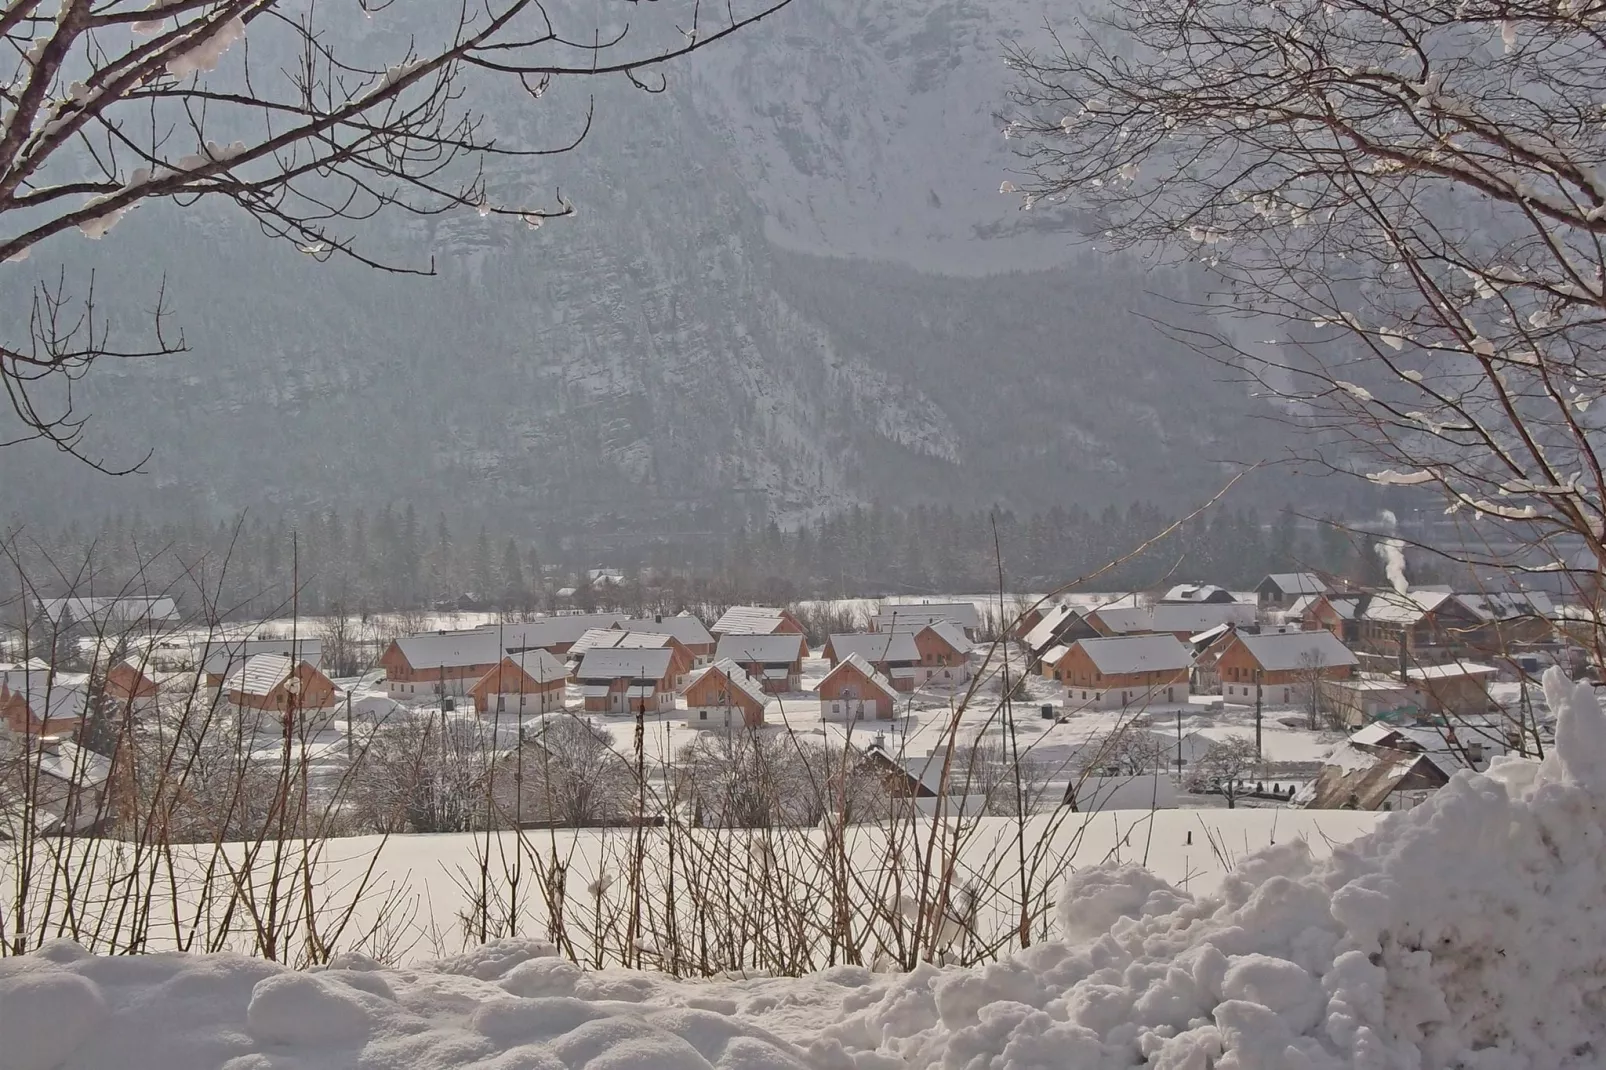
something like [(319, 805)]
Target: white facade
[(1115, 698), (847, 709), (528, 702), (715, 717), (1241, 694), (942, 675)]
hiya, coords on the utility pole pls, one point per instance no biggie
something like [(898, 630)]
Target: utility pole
[(1179, 742), (1259, 756)]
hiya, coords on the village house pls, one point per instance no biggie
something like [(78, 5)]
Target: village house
[(723, 696), (626, 681), (775, 660), (130, 690), (529, 682), (944, 650), (1281, 589), (218, 658), (854, 691), (756, 620), (1051, 631), (1182, 621), (555, 634), (1193, 594), (1123, 671), (892, 654), (1206, 648), (440, 663), (617, 639), (1365, 697), (1456, 688), (1424, 626), (43, 704), (1390, 774), (276, 684), (1281, 667), (687, 630), (65, 785), (911, 616), (1025, 620)]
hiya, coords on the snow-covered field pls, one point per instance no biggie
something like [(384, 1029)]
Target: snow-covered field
[(1466, 932)]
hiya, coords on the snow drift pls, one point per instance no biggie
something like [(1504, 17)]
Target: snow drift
[(1465, 933)]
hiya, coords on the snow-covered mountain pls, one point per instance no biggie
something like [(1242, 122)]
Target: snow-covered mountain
[(791, 284)]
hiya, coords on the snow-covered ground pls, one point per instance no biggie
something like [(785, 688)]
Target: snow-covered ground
[(1466, 932)]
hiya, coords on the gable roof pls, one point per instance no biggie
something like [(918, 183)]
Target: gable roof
[(749, 620), (448, 650), (637, 664), (52, 702), (1281, 651), (615, 639), (880, 682), (259, 674), (1197, 618), (1509, 605), (780, 648), (546, 632), (738, 679), (1355, 782), (684, 627), (1295, 583), (949, 632), (916, 615), (1197, 593), (876, 647), (540, 666), (1042, 633), (1125, 620), (1450, 671), (1135, 653)]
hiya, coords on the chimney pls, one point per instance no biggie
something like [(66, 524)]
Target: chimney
[(1405, 677)]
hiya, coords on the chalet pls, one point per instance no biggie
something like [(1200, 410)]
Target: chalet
[(776, 660), (626, 681), (1025, 621), (1207, 647), (1280, 589), (1281, 667), (276, 684), (1425, 626), (1050, 631), (911, 616), (1514, 619), (218, 658), (529, 682), (854, 691), (1124, 671), (68, 784), (43, 705), (1195, 594), (892, 654), (723, 696), (129, 689), (555, 634), (1457, 688), (616, 639), (756, 620), (944, 654), (1379, 778), (687, 630), (1180, 620), (440, 663)]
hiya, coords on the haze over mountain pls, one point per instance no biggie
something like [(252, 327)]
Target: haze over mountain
[(791, 285)]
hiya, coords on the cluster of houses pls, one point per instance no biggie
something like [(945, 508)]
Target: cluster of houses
[(1356, 654)]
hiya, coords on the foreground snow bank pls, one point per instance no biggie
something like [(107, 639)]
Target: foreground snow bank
[(1469, 932)]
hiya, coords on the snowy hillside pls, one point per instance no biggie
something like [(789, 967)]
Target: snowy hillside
[(791, 284)]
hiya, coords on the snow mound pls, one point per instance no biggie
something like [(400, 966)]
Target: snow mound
[(1469, 932)]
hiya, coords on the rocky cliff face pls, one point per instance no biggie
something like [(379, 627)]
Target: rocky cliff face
[(791, 284)]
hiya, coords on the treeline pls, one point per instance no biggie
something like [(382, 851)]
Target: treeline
[(371, 563)]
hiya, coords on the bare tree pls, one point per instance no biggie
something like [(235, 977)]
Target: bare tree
[(1131, 750), (576, 773), (1309, 674), (421, 772), (1225, 769), (297, 115), (339, 633), (1406, 197)]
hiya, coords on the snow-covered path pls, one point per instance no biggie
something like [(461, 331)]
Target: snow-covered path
[(1469, 932)]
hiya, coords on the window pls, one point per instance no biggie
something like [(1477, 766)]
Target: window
[(702, 715)]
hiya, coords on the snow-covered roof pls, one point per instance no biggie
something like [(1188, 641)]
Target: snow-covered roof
[(1450, 670), (1193, 619), (1376, 734), (738, 679), (1135, 653), (1127, 620), (1197, 592), (950, 632), (1510, 605), (863, 666), (749, 620), (1295, 583), (1043, 632), (1302, 603), (685, 627), (447, 650), (1280, 651), (637, 664), (221, 656), (1392, 607), (779, 649), (898, 616), (1053, 654), (259, 674), (51, 700), (1209, 635), (542, 667), (68, 762), (877, 647), (546, 632)]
